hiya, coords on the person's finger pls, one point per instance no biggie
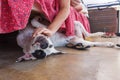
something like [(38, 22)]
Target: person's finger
[(75, 2), (47, 33), (78, 1), (38, 31)]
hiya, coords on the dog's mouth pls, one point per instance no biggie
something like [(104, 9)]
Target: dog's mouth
[(39, 54)]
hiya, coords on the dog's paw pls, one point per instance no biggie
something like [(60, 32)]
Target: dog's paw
[(25, 57), (109, 44), (97, 34), (20, 59), (109, 35)]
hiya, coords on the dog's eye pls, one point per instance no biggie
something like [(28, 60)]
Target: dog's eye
[(50, 46)]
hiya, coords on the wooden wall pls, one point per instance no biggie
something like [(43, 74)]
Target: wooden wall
[(105, 20)]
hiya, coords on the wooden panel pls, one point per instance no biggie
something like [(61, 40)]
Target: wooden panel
[(103, 20)]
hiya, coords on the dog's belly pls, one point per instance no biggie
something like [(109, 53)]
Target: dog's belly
[(59, 39)]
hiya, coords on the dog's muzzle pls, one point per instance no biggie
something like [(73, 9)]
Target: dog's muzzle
[(39, 54), (42, 44)]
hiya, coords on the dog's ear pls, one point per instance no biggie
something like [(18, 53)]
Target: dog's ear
[(57, 53)]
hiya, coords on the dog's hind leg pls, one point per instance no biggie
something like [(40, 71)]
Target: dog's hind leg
[(77, 40), (79, 29), (99, 44)]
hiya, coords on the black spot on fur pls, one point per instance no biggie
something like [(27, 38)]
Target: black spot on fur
[(43, 42), (118, 45), (39, 54), (50, 46)]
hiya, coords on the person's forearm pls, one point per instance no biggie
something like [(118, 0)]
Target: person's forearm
[(59, 19)]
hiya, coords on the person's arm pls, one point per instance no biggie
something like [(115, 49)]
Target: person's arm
[(58, 20), (61, 16)]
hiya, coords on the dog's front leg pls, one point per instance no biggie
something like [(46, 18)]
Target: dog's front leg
[(26, 57), (36, 23)]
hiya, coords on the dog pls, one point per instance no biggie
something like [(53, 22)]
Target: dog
[(42, 46)]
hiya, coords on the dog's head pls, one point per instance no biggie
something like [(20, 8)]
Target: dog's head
[(43, 47), (40, 42)]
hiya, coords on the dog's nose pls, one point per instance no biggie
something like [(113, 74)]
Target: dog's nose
[(39, 54)]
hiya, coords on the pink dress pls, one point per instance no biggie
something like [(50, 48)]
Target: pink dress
[(15, 15)]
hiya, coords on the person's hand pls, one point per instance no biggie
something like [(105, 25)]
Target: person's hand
[(44, 31)]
